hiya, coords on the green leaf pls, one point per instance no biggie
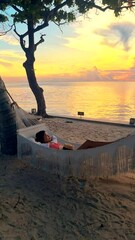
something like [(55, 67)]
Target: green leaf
[(3, 18)]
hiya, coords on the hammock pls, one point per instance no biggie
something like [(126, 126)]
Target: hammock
[(102, 160)]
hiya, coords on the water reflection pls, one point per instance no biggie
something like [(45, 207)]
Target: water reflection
[(110, 101)]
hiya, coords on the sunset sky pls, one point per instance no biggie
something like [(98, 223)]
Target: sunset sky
[(100, 47)]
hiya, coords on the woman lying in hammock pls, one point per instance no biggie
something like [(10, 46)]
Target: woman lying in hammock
[(51, 142)]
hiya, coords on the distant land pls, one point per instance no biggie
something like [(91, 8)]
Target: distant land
[(41, 83), (92, 75)]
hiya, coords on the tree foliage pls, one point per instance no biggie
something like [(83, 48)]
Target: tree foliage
[(3, 18), (60, 10), (119, 5)]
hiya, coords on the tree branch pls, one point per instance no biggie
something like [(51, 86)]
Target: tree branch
[(100, 8), (54, 10), (16, 8), (41, 26), (21, 37), (6, 31), (126, 7), (39, 42)]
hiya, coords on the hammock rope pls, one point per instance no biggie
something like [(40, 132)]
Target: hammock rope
[(10, 96), (23, 118)]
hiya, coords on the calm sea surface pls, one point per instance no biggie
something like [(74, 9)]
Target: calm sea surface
[(108, 101)]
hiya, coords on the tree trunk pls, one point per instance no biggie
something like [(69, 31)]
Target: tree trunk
[(37, 91), (30, 72), (8, 136)]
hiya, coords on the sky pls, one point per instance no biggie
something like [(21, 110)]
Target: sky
[(94, 48)]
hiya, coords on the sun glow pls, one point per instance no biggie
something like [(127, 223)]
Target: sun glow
[(102, 41)]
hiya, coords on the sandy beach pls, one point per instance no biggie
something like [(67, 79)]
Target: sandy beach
[(35, 205), (78, 131)]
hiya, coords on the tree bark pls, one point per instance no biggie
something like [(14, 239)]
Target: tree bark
[(29, 68), (37, 91), (8, 136)]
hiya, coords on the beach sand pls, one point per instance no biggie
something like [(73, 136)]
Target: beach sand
[(35, 205), (78, 131)]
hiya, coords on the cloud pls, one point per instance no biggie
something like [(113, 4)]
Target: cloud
[(95, 74), (10, 39), (5, 64), (10, 54), (118, 33)]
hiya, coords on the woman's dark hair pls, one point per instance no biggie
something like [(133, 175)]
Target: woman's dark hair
[(40, 136)]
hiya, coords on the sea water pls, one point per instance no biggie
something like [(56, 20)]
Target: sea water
[(106, 101)]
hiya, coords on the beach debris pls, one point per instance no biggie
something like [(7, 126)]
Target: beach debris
[(69, 121), (18, 201)]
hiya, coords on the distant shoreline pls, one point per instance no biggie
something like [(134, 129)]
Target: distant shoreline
[(43, 82)]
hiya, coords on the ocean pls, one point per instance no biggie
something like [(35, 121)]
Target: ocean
[(101, 101)]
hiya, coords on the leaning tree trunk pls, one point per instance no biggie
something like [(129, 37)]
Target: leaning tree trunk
[(29, 67), (37, 91), (8, 136)]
